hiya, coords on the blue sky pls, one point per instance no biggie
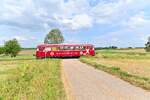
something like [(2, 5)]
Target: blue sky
[(122, 23)]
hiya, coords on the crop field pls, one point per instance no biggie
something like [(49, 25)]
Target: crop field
[(27, 52), (132, 50), (132, 66), (25, 78), (23, 55)]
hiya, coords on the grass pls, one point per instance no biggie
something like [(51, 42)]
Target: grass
[(117, 54), (134, 63), (23, 55), (132, 67), (138, 50), (19, 57), (30, 79)]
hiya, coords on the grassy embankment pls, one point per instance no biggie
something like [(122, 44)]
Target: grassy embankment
[(30, 79), (130, 66)]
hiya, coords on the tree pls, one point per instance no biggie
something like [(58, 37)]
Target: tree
[(113, 47), (12, 47), (2, 50), (147, 48), (54, 37)]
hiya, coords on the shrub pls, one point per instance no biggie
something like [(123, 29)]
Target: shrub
[(12, 47), (2, 50), (147, 48)]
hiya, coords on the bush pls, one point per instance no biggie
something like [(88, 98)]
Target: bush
[(2, 50), (110, 47), (147, 48), (12, 47)]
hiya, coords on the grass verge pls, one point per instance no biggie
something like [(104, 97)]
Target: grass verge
[(18, 57), (114, 54), (33, 80), (133, 79)]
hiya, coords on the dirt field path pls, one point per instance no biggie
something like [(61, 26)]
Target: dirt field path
[(87, 83)]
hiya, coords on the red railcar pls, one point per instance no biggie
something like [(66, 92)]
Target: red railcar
[(64, 50)]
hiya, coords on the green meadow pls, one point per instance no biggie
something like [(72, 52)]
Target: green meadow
[(25, 78)]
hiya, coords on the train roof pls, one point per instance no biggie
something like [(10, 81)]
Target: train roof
[(45, 45)]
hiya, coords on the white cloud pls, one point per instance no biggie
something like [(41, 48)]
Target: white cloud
[(104, 13), (138, 21), (117, 11), (19, 38), (73, 40), (32, 14), (130, 18), (78, 22), (76, 15)]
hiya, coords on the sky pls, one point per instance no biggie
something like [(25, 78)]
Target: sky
[(122, 23)]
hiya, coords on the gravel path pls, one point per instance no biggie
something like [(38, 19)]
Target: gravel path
[(87, 83)]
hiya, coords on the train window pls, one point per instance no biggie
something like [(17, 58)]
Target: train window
[(54, 48), (81, 47), (72, 48), (48, 49), (61, 48), (77, 48), (66, 47)]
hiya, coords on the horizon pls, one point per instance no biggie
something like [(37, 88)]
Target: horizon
[(103, 23)]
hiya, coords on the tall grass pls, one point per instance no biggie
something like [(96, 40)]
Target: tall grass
[(33, 80)]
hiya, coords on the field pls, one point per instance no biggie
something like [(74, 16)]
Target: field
[(132, 50), (23, 55), (25, 78), (130, 65)]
